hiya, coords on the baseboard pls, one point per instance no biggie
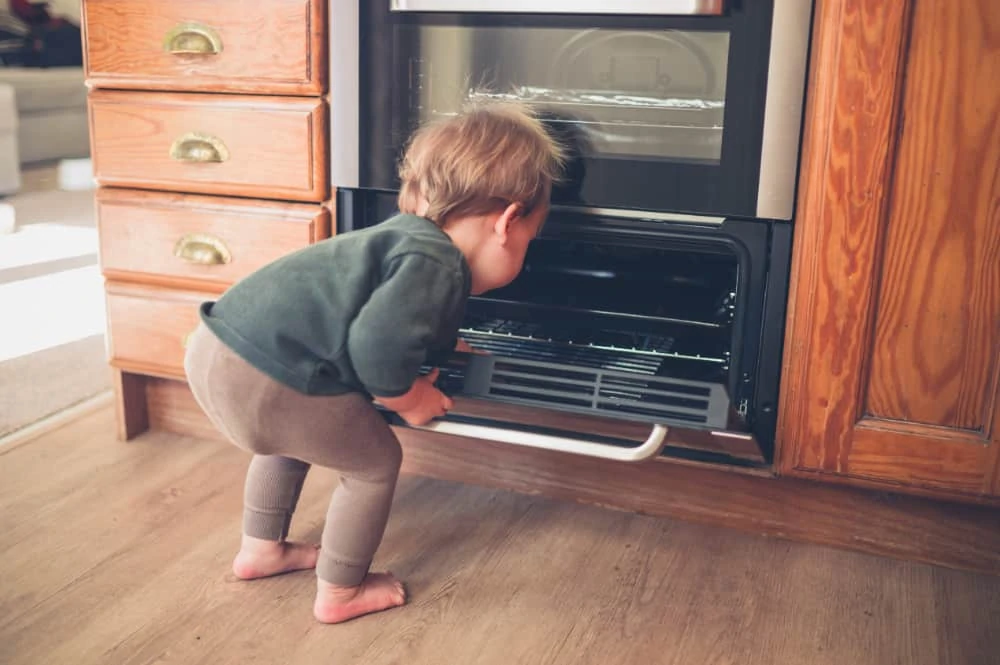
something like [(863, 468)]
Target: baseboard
[(55, 421)]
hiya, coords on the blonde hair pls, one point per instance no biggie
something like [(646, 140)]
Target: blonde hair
[(487, 157)]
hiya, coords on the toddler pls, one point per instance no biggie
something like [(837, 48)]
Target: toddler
[(286, 363)]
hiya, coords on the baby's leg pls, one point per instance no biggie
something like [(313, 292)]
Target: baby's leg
[(355, 522), (272, 490)]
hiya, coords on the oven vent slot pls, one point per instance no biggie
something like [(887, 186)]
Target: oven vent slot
[(595, 391)]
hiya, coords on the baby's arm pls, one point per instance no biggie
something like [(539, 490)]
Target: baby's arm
[(389, 339)]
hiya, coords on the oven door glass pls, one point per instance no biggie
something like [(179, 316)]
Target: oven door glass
[(663, 112)]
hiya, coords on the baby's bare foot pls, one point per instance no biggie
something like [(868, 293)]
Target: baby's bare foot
[(264, 558), (378, 591)]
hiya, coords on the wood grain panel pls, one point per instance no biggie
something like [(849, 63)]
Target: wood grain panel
[(912, 528), (131, 416), (276, 145), (865, 311), (945, 464), (148, 327), (936, 357), (267, 46), (848, 142), (140, 230)]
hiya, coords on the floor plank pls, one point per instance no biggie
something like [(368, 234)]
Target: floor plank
[(119, 553)]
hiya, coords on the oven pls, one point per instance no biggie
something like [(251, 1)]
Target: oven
[(649, 315)]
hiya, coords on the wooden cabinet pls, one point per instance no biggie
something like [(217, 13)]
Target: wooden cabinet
[(893, 344), (173, 147)]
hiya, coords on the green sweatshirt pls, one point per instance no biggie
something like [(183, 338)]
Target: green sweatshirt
[(359, 312)]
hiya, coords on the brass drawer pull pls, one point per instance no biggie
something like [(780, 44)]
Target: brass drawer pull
[(199, 148), (193, 39), (203, 249)]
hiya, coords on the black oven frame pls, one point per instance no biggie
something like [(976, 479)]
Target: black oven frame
[(765, 88), (749, 211)]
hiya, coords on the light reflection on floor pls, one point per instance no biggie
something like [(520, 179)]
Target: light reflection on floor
[(43, 312), (51, 289)]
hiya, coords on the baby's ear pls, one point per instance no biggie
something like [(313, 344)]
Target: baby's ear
[(509, 215)]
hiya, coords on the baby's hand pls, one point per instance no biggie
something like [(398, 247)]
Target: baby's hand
[(422, 403)]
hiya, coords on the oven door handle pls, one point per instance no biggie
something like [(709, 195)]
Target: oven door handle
[(649, 448), (645, 7)]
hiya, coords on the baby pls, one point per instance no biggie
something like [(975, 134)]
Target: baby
[(287, 362)]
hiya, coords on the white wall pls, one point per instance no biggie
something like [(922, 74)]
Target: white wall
[(69, 9)]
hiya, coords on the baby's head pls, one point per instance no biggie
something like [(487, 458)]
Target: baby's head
[(484, 176), (477, 162)]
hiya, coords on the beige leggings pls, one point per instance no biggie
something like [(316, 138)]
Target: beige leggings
[(287, 432)]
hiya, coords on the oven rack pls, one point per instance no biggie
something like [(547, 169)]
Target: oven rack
[(715, 318), (645, 354)]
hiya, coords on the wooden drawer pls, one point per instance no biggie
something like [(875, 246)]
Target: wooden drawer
[(199, 241), (148, 327), (244, 145), (265, 46)]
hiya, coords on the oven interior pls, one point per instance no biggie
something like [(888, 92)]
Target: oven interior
[(634, 331)]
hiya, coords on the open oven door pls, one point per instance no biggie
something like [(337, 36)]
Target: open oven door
[(495, 400), (475, 378), (624, 339)]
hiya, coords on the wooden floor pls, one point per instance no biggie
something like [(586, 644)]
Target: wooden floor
[(119, 553)]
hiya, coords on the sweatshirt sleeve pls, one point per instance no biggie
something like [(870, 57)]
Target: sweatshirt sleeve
[(390, 337)]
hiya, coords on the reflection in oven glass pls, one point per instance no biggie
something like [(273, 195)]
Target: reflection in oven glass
[(657, 94)]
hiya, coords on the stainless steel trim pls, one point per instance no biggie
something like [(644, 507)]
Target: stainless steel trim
[(642, 214), (649, 448), (345, 93), (689, 7), (786, 82)]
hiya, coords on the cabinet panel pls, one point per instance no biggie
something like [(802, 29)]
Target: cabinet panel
[(266, 46), (243, 145), (891, 359), (936, 354), (199, 241), (148, 327)]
